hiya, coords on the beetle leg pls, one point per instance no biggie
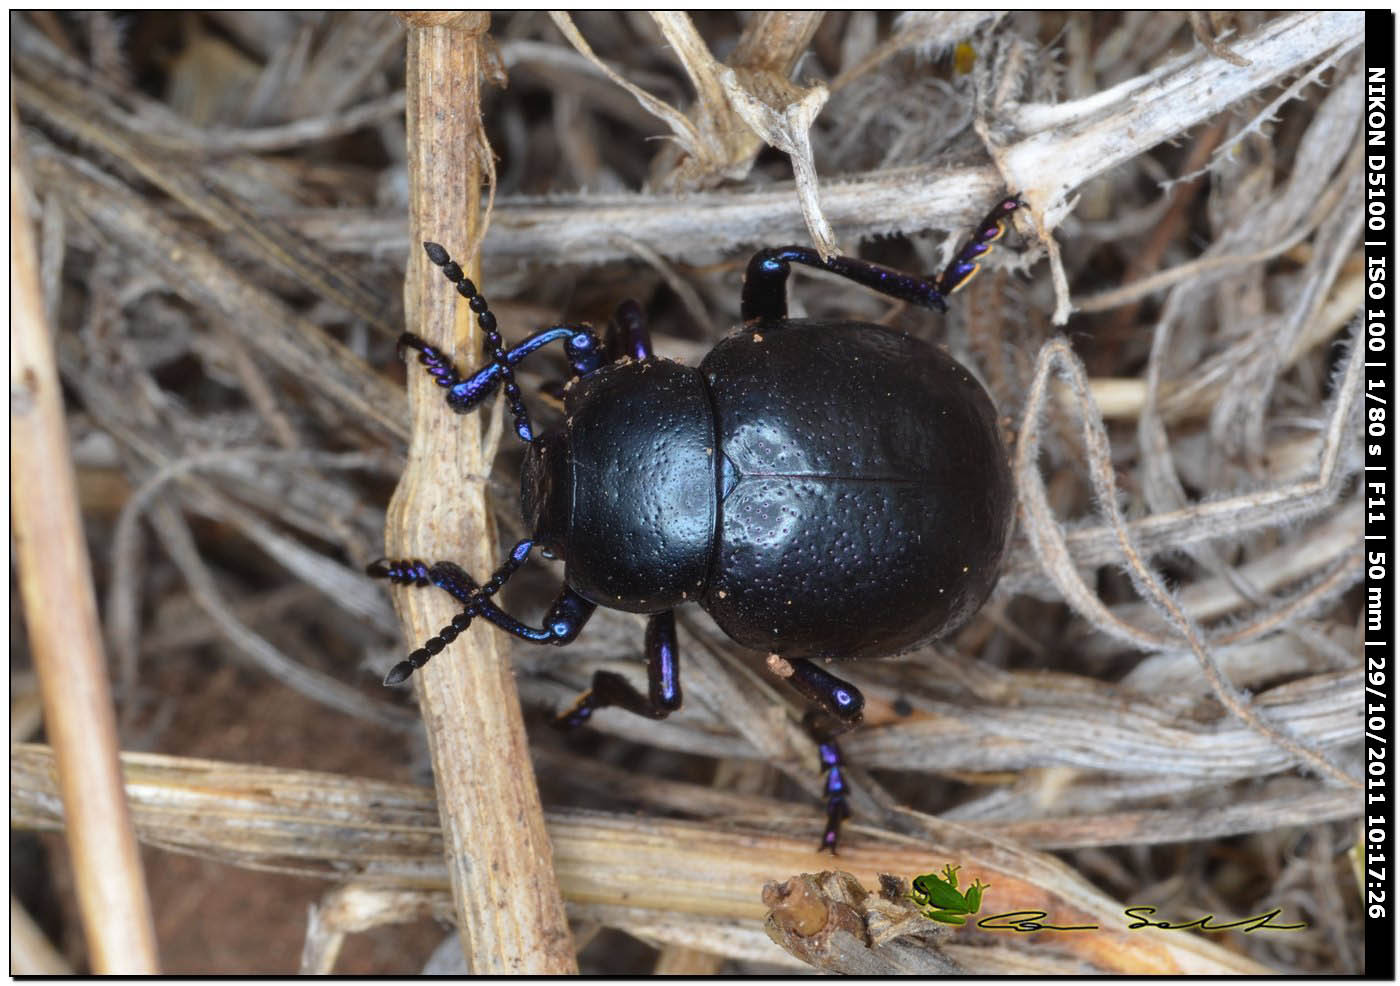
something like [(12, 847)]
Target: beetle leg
[(837, 708), (627, 333), (581, 346), (663, 681), (495, 346), (765, 280), (565, 619), (824, 728), (562, 624), (840, 698), (968, 262), (475, 599)]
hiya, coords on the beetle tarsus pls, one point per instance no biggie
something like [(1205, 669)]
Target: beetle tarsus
[(823, 727), (399, 572), (968, 260), (577, 714), (837, 810)]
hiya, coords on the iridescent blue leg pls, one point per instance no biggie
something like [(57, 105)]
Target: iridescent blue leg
[(968, 262), (839, 698), (611, 689), (824, 729), (565, 619), (581, 347), (447, 376), (562, 623), (627, 336), (838, 706), (765, 280)]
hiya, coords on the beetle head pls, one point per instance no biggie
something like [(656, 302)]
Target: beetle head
[(545, 491)]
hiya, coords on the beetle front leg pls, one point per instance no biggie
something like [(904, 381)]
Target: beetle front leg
[(442, 369), (566, 617), (581, 346), (611, 689)]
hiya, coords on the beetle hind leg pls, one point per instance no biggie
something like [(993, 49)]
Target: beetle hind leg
[(837, 707), (611, 689), (824, 728)]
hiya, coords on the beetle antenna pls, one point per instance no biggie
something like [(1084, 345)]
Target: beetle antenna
[(495, 347), (433, 645)]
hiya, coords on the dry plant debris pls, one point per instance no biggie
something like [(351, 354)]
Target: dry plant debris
[(1162, 703)]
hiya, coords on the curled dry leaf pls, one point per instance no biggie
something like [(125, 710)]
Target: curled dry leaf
[(830, 921)]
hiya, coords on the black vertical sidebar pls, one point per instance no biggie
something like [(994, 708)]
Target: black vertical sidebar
[(1379, 861)]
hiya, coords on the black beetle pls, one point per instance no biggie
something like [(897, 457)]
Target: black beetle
[(824, 489)]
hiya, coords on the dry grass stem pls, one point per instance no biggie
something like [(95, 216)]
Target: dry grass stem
[(55, 584), (352, 908), (71, 108), (179, 543), (31, 953), (476, 735), (187, 264), (1074, 142), (384, 836), (1057, 357)]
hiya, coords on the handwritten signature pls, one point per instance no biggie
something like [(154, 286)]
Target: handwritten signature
[(1029, 921)]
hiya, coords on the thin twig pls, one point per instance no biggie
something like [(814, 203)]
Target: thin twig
[(55, 581), (31, 952), (190, 267), (359, 907), (175, 535), (1057, 356)]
